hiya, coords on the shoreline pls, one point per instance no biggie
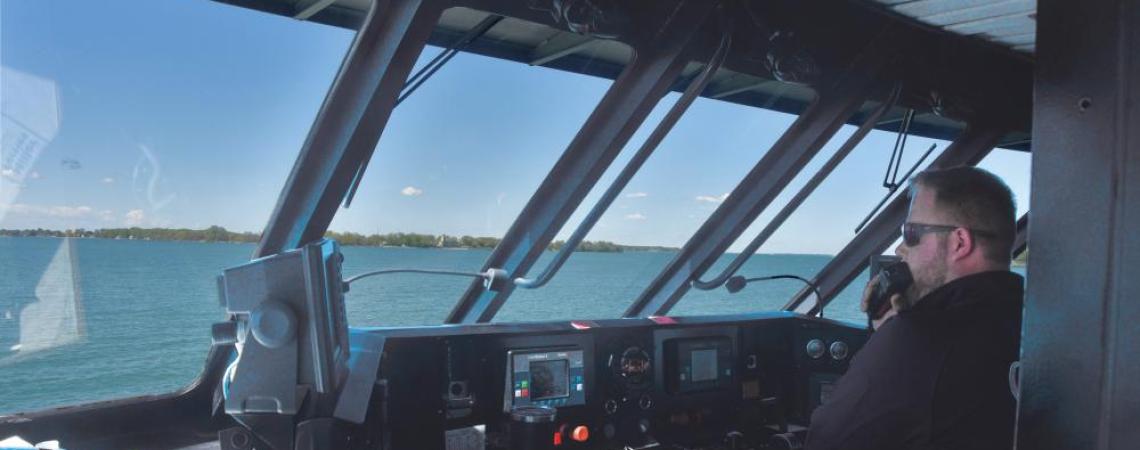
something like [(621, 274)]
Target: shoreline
[(587, 246), (630, 249)]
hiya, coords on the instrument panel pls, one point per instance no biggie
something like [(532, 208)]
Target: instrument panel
[(708, 382), (550, 377)]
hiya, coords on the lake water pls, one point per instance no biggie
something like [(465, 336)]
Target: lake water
[(146, 307)]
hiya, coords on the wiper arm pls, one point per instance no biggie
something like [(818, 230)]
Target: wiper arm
[(418, 79), (633, 165), (893, 187), (891, 181)]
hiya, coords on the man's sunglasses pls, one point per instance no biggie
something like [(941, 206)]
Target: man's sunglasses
[(912, 232)]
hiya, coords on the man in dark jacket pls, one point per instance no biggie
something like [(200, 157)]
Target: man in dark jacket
[(935, 375)]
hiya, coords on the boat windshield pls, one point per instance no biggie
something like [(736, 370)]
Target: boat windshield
[(144, 146), (686, 179), (457, 162), (465, 152), (820, 227), (467, 149)]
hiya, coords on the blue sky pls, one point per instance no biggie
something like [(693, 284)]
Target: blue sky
[(191, 113)]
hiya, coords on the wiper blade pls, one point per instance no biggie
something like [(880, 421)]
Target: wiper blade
[(416, 80), (894, 187)]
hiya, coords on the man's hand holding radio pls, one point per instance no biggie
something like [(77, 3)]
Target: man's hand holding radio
[(889, 308)]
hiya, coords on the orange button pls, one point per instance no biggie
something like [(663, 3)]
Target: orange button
[(580, 434)]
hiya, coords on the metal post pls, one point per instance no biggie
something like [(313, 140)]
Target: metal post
[(970, 147), (1080, 350), (778, 166), (1021, 240), (626, 105), (350, 121)]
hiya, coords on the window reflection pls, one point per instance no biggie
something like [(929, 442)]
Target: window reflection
[(703, 158), (457, 163), (816, 231), (140, 154)]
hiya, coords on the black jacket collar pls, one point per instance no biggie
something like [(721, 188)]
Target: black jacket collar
[(998, 285)]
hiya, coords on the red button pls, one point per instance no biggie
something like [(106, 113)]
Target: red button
[(557, 438), (580, 434)]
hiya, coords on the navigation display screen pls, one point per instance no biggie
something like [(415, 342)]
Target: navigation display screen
[(545, 377), (698, 363), (549, 379), (704, 365)]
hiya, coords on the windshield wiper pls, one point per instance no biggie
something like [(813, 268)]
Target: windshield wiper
[(417, 79), (893, 185)]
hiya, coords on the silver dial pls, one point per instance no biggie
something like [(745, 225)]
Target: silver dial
[(839, 350), (815, 348)]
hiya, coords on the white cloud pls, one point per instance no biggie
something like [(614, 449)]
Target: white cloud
[(499, 198), (135, 217), (106, 215), (636, 195), (712, 199), (50, 211), (34, 175), (71, 211), (8, 173), (635, 216), (108, 180), (411, 191)]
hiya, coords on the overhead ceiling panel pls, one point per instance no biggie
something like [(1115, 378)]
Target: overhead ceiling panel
[(1009, 23)]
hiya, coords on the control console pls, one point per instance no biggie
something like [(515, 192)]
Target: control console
[(742, 381)]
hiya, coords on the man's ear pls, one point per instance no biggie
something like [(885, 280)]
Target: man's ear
[(962, 243)]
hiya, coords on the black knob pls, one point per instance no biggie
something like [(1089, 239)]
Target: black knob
[(734, 440), (609, 431), (645, 402), (610, 406), (785, 441)]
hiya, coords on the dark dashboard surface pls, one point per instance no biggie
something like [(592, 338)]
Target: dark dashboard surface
[(745, 381)]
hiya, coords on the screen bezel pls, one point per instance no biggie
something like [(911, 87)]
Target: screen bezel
[(519, 359)]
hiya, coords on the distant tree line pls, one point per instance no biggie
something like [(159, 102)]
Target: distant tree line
[(219, 234), (211, 234)]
